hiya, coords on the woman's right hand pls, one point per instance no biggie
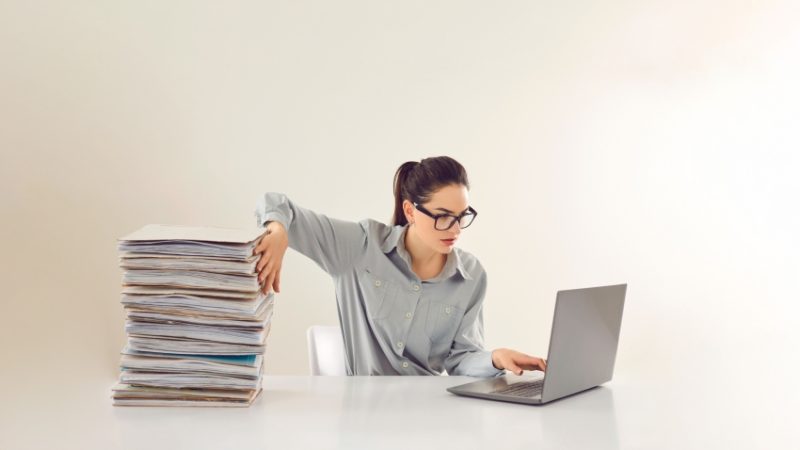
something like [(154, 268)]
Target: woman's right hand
[(271, 247), (505, 358)]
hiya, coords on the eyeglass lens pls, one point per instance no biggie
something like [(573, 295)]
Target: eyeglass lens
[(445, 222)]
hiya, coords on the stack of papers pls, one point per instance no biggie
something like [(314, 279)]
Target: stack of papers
[(196, 321)]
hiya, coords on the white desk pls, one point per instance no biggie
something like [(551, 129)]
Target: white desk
[(395, 413)]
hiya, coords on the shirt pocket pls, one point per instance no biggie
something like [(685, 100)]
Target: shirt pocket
[(441, 325), (379, 293)]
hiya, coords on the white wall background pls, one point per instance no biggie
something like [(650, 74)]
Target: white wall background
[(653, 143)]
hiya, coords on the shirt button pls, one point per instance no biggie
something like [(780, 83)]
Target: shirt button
[(405, 363), (415, 287), (400, 344), (408, 315), (378, 283), (447, 310)]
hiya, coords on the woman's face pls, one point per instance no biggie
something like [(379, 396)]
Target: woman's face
[(451, 199)]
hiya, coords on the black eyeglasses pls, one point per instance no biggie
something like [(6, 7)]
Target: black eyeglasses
[(444, 222)]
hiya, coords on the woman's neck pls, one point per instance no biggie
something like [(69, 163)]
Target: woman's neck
[(422, 256)]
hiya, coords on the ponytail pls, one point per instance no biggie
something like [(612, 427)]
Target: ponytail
[(400, 192)]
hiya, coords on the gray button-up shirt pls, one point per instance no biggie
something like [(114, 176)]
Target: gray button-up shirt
[(393, 323)]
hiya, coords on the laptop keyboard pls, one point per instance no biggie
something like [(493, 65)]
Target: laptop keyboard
[(522, 389)]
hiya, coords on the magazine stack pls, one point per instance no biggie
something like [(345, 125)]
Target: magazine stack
[(196, 319)]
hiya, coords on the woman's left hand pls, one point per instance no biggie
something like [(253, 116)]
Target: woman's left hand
[(505, 358)]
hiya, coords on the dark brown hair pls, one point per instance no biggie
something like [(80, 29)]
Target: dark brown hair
[(417, 181)]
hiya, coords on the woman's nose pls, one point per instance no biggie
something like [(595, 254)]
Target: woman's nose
[(455, 227)]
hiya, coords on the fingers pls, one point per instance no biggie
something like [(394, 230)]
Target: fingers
[(265, 257), (514, 368), (268, 267), (265, 269), (270, 280), (534, 364), (262, 274), (261, 244), (263, 285), (264, 277), (268, 275), (531, 362)]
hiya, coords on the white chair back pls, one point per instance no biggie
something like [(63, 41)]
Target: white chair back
[(326, 350)]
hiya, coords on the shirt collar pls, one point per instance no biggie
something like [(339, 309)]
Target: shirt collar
[(396, 239)]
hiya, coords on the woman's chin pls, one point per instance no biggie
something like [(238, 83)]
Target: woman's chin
[(445, 249)]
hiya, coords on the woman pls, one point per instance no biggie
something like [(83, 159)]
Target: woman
[(409, 301)]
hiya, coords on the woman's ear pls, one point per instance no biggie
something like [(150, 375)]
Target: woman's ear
[(408, 210)]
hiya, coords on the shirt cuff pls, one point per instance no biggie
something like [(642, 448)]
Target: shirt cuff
[(273, 216)]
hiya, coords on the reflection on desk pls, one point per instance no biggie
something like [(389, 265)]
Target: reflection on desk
[(379, 412), (399, 413)]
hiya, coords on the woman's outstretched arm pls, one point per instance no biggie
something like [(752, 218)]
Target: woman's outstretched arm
[(335, 245)]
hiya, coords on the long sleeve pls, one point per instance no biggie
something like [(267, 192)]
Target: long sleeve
[(335, 245), (467, 354)]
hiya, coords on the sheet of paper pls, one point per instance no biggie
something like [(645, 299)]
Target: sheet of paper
[(159, 232)]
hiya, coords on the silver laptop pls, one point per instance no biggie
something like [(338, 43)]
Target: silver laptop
[(583, 347)]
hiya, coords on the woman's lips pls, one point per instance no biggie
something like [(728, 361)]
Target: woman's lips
[(448, 241)]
